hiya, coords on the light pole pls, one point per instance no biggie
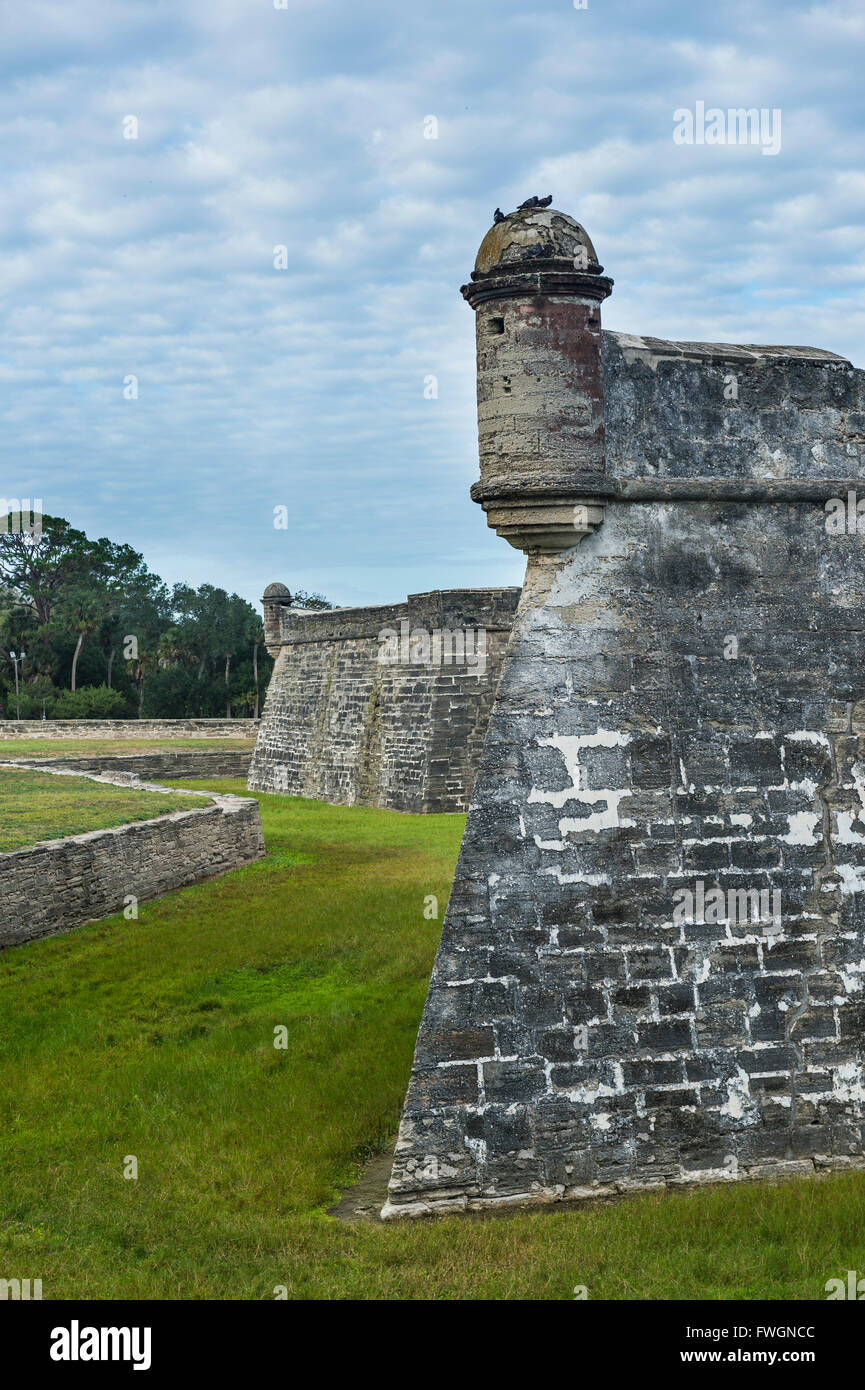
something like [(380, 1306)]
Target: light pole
[(15, 661)]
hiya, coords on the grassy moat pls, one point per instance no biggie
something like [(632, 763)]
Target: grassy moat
[(155, 1040), (115, 747), (43, 806)]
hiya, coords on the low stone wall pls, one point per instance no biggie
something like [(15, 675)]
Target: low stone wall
[(55, 885), (129, 728), (150, 767)]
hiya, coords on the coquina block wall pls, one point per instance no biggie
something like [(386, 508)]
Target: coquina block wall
[(149, 767), (149, 729), (679, 727), (356, 717), (56, 885)]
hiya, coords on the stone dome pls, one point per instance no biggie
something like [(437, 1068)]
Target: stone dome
[(277, 590), (555, 235)]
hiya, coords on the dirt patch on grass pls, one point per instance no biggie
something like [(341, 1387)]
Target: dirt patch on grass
[(365, 1199)]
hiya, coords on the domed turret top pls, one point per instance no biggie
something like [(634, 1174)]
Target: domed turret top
[(535, 232), (277, 590)]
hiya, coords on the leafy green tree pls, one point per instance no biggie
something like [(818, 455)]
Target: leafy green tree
[(40, 571), (141, 604), (90, 702), (91, 616), (301, 599)]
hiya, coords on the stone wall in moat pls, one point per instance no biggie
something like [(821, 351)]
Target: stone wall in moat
[(159, 765), (55, 885), (143, 729)]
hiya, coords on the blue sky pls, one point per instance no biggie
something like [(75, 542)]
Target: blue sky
[(304, 127)]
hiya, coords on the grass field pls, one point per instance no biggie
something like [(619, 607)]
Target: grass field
[(42, 806), (97, 747), (154, 1039)]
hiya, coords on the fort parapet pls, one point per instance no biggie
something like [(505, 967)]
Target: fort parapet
[(381, 706)]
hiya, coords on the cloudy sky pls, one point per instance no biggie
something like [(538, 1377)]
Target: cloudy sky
[(306, 127)]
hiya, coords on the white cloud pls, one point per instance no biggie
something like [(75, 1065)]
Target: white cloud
[(306, 128)]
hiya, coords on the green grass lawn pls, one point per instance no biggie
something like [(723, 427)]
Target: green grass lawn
[(155, 1039), (99, 747), (42, 806)]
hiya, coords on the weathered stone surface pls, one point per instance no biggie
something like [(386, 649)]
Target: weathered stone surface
[(128, 728), (341, 725), (209, 763), (680, 704), (798, 414), (56, 885)]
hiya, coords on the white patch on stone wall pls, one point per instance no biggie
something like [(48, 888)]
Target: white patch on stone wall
[(852, 877), (594, 880), (738, 1095), (808, 736), (850, 829), (851, 824), (587, 1095), (607, 818), (741, 819), (477, 1148), (851, 976), (849, 1082), (574, 581), (802, 828)]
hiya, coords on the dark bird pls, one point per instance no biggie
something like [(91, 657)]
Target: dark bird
[(498, 215), (536, 202)]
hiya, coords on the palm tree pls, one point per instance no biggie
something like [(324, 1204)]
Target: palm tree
[(82, 612)]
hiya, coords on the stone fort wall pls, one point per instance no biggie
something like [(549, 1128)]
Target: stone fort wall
[(679, 729), (760, 417), (352, 719)]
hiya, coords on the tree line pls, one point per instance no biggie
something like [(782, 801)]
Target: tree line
[(88, 631)]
